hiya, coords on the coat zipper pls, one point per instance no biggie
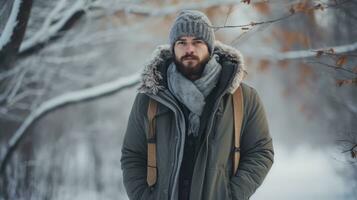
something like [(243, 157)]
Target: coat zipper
[(175, 170), (211, 120)]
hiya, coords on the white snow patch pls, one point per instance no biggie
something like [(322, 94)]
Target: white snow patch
[(304, 174)]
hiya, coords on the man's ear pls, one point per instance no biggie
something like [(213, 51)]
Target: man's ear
[(172, 49)]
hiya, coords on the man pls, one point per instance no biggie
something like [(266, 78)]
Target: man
[(192, 80)]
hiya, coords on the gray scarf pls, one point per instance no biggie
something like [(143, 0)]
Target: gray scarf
[(193, 93)]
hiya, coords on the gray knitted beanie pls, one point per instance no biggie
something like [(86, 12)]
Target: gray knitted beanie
[(192, 23)]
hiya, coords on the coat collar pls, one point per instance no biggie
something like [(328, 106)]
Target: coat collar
[(152, 76)]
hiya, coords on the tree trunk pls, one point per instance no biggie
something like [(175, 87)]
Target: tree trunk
[(9, 51)]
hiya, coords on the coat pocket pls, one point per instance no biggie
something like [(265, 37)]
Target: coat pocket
[(217, 185), (227, 181)]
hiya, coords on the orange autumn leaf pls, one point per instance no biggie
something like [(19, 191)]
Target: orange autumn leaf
[(304, 40), (285, 36), (346, 82), (175, 2), (264, 65), (262, 7), (283, 64), (341, 61), (355, 69), (306, 72), (291, 38), (211, 12), (300, 7), (308, 8)]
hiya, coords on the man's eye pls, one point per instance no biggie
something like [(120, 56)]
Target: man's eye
[(198, 42)]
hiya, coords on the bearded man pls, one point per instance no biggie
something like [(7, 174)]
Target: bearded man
[(184, 150)]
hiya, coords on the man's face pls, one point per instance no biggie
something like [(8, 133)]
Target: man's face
[(191, 55)]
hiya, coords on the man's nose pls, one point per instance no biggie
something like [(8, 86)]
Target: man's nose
[(190, 49)]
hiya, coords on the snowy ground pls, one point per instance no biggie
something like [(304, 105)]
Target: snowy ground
[(304, 174)]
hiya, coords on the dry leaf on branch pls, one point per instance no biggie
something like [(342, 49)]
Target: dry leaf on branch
[(319, 53), (341, 61), (331, 51), (355, 69), (341, 82)]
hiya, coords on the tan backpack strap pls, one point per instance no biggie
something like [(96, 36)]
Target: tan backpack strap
[(238, 118), (151, 159)]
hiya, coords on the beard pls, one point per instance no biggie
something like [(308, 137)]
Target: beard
[(191, 66)]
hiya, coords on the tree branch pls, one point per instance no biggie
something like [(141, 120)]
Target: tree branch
[(254, 23), (150, 11), (312, 52), (293, 10), (55, 21), (335, 67), (351, 149), (13, 33), (62, 100), (59, 16), (11, 24)]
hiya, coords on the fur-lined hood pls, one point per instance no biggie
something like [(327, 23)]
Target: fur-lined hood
[(151, 76)]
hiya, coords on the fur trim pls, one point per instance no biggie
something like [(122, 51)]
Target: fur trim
[(151, 76)]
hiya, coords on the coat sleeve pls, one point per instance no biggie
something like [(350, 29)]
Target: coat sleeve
[(134, 151), (257, 152)]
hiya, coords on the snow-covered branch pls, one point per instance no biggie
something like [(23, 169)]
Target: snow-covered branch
[(11, 23), (172, 9), (289, 55), (15, 101), (6, 74), (65, 99), (62, 13), (73, 58), (299, 54), (11, 84), (17, 86), (55, 21), (100, 37)]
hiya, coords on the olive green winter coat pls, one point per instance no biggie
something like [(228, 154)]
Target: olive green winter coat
[(212, 176)]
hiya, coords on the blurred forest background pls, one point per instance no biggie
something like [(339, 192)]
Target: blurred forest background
[(69, 71)]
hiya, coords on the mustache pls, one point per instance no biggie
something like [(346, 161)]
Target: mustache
[(189, 57)]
